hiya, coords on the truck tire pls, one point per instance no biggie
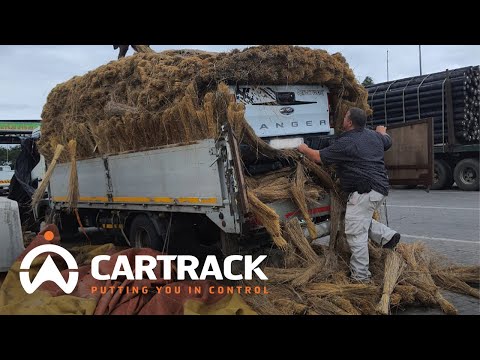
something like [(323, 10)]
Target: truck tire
[(442, 176), (143, 234), (466, 174), (68, 225)]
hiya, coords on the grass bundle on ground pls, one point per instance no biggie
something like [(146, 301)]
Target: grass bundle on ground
[(328, 290), (295, 235), (418, 259), (394, 266)]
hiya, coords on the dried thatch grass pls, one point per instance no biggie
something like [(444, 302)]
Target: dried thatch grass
[(73, 191), (451, 282), (326, 307), (468, 274), (268, 218), (298, 195), (173, 95), (307, 274), (406, 292), (294, 233), (143, 49), (38, 194), (344, 304), (325, 289), (294, 308), (419, 260), (394, 266), (280, 276)]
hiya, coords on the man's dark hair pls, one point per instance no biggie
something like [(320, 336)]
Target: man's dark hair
[(358, 117)]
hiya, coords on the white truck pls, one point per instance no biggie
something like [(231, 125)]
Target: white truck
[(6, 174), (180, 198), (183, 197)]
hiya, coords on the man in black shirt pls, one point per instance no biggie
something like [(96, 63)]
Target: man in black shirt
[(124, 48), (359, 156)]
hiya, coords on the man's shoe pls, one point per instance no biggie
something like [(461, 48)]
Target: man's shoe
[(367, 281), (392, 244)]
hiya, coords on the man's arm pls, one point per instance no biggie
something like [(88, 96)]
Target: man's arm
[(387, 140), (312, 154), (335, 153)]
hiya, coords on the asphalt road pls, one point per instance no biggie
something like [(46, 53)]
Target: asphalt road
[(447, 221)]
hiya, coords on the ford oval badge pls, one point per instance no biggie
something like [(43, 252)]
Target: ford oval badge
[(286, 111)]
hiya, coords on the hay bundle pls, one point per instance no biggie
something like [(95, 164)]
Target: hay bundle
[(344, 304), (150, 88), (394, 266), (298, 195), (452, 283), (268, 218), (419, 259), (294, 308), (325, 289), (38, 194), (468, 274), (73, 191), (295, 235)]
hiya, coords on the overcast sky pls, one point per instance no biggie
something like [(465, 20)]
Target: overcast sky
[(29, 72)]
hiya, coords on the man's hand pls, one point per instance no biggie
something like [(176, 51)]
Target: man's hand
[(313, 155), (381, 129), (303, 148)]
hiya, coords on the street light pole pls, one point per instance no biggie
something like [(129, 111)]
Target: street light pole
[(420, 57), (387, 66)]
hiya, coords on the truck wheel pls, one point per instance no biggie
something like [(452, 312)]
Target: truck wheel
[(442, 175), (466, 174), (143, 233), (67, 225)]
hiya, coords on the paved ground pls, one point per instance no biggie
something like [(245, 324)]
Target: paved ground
[(448, 222)]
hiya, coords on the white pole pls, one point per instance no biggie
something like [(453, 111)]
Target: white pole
[(420, 57), (387, 67)]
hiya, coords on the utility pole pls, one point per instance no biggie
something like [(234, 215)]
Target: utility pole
[(387, 67), (420, 57)]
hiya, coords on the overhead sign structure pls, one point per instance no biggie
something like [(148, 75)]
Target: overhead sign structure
[(18, 125)]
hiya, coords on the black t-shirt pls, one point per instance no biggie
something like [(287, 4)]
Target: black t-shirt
[(359, 156)]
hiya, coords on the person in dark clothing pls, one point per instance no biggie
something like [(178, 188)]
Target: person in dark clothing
[(123, 49), (359, 155)]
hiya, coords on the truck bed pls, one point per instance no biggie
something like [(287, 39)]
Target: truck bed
[(187, 178), (204, 177)]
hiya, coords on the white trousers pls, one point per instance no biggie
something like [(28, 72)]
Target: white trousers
[(359, 226)]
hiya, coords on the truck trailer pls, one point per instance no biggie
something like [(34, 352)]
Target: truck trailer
[(451, 98)]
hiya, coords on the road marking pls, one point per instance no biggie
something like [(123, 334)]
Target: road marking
[(439, 239), (432, 207)]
